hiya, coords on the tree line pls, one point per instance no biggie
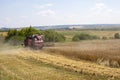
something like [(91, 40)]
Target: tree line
[(85, 36), (17, 36)]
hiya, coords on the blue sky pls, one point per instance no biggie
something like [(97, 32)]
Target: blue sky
[(22, 13)]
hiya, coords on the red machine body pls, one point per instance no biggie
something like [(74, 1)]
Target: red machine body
[(35, 41)]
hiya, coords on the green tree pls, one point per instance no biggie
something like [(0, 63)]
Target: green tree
[(17, 36), (10, 34), (23, 33), (52, 36), (117, 36)]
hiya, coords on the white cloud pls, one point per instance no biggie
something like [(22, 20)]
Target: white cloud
[(101, 8), (2, 24), (46, 12), (23, 17), (103, 13), (44, 6), (7, 19), (5, 22)]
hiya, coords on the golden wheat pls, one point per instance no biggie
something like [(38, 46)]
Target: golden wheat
[(79, 66)]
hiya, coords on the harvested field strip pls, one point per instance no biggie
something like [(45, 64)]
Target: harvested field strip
[(14, 68), (78, 66)]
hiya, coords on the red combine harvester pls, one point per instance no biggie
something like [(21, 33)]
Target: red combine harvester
[(35, 41)]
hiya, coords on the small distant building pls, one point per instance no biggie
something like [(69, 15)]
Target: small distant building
[(75, 27)]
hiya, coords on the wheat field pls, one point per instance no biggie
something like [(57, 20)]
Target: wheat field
[(83, 60), (26, 64), (103, 52), (105, 33)]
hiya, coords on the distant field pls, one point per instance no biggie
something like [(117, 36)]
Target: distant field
[(103, 52), (70, 33), (2, 36), (3, 33)]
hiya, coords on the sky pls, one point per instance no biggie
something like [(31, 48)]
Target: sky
[(23, 13)]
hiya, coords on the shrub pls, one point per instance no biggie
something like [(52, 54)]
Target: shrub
[(75, 38), (104, 38), (10, 34), (117, 36), (111, 37), (84, 36), (52, 36), (15, 40)]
